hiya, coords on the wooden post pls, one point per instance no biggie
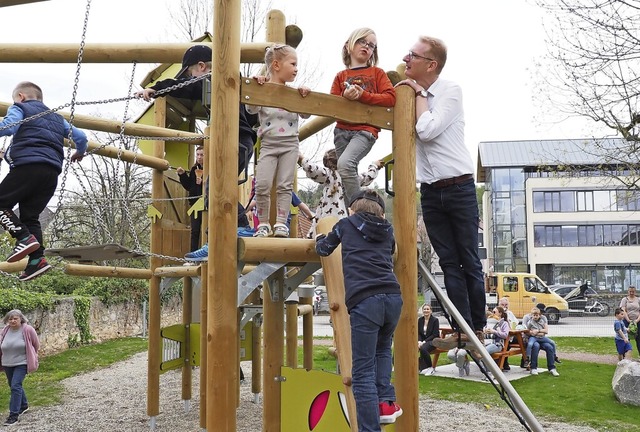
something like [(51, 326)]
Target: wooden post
[(203, 345), (307, 335), (406, 264), (273, 307), (222, 325), (187, 303), (155, 343), (334, 280), (292, 334), (273, 330)]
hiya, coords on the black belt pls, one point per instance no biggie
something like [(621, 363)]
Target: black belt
[(450, 181)]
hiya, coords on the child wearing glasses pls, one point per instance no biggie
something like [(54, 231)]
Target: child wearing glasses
[(361, 81), (279, 143)]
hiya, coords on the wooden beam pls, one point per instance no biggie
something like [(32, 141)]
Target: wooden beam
[(334, 280), (13, 267), (181, 271), (321, 104), (125, 155), (114, 52), (406, 262), (256, 250), (222, 304), (314, 126), (104, 271), (113, 126)]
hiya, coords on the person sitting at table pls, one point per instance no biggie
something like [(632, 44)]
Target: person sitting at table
[(428, 330), (525, 326), (538, 327), (496, 335)]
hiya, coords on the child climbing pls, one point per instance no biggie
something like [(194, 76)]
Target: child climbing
[(364, 82), (279, 146)]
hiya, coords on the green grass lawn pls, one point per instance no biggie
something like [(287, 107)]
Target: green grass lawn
[(581, 395)]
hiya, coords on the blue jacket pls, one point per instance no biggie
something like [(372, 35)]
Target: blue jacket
[(367, 256), (39, 140)]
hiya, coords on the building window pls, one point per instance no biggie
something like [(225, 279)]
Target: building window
[(584, 200), (602, 201), (567, 201), (586, 235)]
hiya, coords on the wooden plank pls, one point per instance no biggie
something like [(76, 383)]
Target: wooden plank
[(274, 95), (105, 252), (334, 280)]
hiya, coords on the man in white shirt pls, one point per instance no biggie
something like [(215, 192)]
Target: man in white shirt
[(445, 173)]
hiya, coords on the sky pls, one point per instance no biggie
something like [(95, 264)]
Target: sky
[(492, 52)]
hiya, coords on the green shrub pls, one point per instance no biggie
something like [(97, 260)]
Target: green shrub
[(55, 281), (26, 301), (112, 291)]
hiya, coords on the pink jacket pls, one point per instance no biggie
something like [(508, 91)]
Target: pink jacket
[(32, 345)]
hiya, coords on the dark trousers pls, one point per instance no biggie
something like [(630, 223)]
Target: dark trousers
[(451, 217), (31, 188), (196, 224), (424, 361)]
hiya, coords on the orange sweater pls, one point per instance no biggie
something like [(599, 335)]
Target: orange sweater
[(378, 90)]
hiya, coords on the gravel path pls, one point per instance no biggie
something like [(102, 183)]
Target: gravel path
[(114, 399)]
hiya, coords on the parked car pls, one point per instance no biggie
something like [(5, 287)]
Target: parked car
[(582, 300), (563, 290)]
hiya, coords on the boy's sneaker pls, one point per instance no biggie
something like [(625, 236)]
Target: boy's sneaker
[(201, 254), (34, 269), (23, 410), (264, 230), (534, 371), (280, 230), (389, 412), (554, 372), (23, 248), (11, 420)]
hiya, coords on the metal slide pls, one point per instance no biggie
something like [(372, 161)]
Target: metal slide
[(502, 386)]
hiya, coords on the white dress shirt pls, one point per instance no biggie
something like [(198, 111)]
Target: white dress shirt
[(440, 149)]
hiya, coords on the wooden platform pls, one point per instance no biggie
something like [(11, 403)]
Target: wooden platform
[(105, 252)]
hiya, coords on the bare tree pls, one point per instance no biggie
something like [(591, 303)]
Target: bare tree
[(593, 62), (591, 71), (106, 202)]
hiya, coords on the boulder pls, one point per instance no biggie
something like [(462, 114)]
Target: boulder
[(626, 382)]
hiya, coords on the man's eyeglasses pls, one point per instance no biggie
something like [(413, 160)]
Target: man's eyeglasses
[(413, 55), (366, 44)]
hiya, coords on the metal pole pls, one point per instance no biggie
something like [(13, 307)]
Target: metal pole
[(519, 407)]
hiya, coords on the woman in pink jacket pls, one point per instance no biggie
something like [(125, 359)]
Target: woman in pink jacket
[(19, 355)]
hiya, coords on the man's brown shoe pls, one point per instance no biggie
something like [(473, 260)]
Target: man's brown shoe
[(450, 341)]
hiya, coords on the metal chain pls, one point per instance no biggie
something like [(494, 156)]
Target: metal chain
[(125, 203), (71, 116)]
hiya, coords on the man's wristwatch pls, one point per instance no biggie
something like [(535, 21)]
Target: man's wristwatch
[(422, 93)]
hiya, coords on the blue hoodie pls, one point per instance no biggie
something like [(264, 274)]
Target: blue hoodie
[(368, 245), (40, 140)]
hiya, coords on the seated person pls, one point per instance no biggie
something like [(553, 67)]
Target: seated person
[(527, 326), (496, 335), (428, 330), (538, 331), (459, 357)]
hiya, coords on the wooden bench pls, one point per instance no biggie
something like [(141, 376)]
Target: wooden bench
[(517, 347)]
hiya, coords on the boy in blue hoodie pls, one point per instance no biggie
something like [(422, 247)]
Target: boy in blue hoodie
[(372, 296), (35, 158)]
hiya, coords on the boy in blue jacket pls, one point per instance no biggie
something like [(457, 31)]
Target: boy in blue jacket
[(35, 158), (372, 297)]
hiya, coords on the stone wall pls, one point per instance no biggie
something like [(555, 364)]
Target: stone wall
[(105, 322)]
